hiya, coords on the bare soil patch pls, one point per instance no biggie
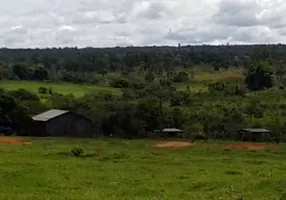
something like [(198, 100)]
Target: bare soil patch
[(253, 147), (12, 140), (173, 144), (235, 75)]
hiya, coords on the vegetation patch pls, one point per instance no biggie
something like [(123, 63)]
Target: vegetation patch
[(77, 151), (256, 162), (233, 172)]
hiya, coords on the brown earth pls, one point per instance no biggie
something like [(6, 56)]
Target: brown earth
[(235, 75), (13, 140), (173, 144), (253, 147)]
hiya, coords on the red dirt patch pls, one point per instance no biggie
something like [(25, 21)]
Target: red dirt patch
[(173, 144), (253, 147), (12, 140), (235, 75)]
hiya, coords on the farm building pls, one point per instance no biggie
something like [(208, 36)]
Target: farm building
[(254, 134), (61, 123), (169, 132)]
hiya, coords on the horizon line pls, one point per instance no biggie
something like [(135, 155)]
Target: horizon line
[(144, 46)]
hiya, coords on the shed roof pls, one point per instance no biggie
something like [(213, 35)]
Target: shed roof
[(50, 114), (256, 130), (171, 130)]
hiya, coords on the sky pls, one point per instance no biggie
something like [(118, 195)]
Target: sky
[(110, 23)]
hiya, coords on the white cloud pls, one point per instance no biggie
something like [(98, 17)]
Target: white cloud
[(99, 23), (66, 28)]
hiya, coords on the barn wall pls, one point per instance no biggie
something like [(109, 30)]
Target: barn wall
[(39, 129), (69, 124)]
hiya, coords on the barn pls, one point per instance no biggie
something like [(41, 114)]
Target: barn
[(61, 123), (254, 134), (169, 132)]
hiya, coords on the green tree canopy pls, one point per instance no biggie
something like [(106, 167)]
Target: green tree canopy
[(259, 76)]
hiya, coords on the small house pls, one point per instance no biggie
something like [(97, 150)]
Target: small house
[(61, 123), (254, 134)]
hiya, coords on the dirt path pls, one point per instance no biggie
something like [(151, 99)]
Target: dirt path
[(253, 147), (173, 144), (13, 140)]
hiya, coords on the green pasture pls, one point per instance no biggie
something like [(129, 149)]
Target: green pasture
[(135, 170), (63, 88)]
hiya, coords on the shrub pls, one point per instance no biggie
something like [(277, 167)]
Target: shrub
[(120, 83), (181, 77), (23, 95), (77, 151), (194, 131), (43, 90), (51, 91)]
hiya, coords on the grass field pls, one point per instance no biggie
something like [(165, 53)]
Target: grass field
[(199, 84), (117, 169), (208, 77), (63, 88), (203, 78)]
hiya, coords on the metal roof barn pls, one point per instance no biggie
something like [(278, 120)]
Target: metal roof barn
[(61, 123), (170, 130), (256, 130), (254, 134), (46, 116)]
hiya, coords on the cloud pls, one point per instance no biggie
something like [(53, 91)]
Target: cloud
[(241, 13), (100, 23)]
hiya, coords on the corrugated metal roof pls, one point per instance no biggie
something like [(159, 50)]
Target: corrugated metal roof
[(171, 130), (50, 114), (256, 130)]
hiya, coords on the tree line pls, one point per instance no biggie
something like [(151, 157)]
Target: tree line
[(151, 100), (79, 65)]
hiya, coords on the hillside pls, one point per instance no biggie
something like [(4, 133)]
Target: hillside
[(209, 93)]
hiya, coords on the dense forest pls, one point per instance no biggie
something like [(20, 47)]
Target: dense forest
[(157, 88)]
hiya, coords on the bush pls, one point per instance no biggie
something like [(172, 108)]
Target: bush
[(43, 90), (77, 151), (120, 83), (194, 131), (51, 91), (23, 95), (181, 77)]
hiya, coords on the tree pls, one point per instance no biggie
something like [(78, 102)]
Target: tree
[(194, 131), (43, 90), (7, 104), (259, 77), (149, 76), (180, 98), (40, 73), (21, 71), (181, 77), (23, 95), (21, 121), (149, 112), (102, 72), (120, 83)]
